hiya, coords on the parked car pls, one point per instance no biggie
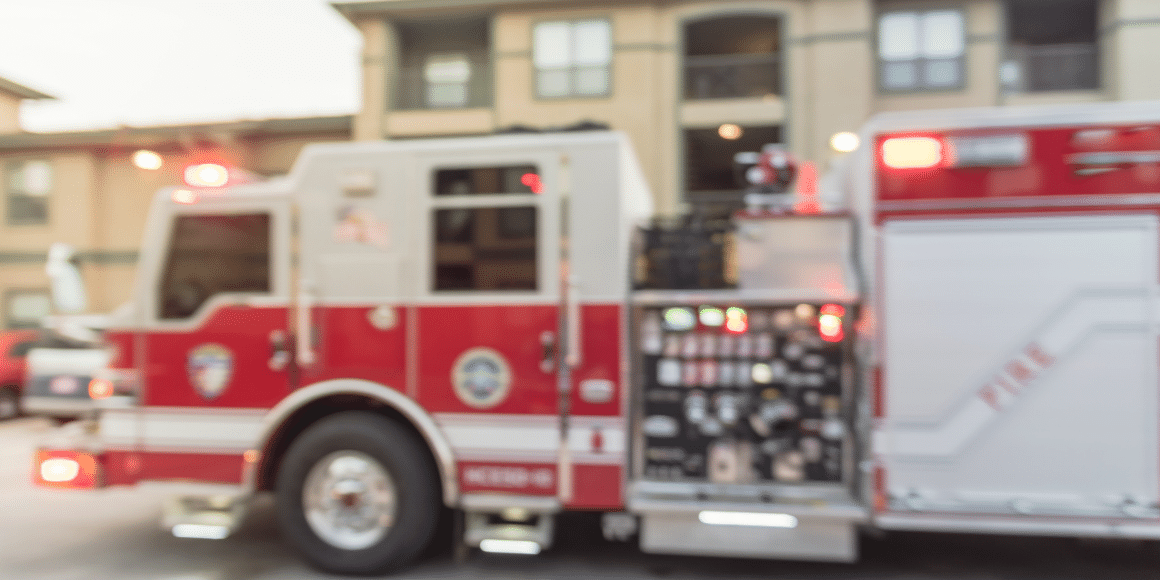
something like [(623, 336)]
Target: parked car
[(57, 383), (14, 347)]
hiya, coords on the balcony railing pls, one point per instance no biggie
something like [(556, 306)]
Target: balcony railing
[(413, 90), (1055, 67), (731, 76)]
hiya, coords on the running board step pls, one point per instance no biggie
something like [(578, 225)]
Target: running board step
[(207, 517), (508, 524)]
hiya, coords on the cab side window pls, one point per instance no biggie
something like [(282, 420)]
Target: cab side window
[(485, 244), (214, 254)]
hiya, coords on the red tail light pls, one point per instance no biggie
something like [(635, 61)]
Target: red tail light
[(66, 469)]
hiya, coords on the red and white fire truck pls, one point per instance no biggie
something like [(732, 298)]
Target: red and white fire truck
[(959, 334)]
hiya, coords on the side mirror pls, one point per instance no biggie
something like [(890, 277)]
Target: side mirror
[(68, 291)]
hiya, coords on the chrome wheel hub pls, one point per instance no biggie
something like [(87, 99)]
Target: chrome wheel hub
[(349, 500)]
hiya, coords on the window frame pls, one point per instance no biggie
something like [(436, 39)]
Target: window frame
[(465, 84), (167, 284), (10, 195), (546, 218), (920, 86), (156, 249), (572, 67)]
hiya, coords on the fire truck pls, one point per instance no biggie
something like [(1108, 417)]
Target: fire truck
[(958, 333)]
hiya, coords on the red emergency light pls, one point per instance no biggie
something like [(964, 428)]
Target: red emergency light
[(206, 175), (959, 151), (533, 182), (830, 322)]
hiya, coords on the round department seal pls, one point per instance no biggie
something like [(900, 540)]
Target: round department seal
[(210, 367), (481, 378)]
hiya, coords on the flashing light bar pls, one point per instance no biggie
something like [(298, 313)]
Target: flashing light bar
[(206, 175), (524, 547), (912, 152), (988, 150), (200, 531), (747, 519), (1011, 150)]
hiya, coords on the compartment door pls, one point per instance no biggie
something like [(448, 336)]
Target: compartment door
[(1020, 365)]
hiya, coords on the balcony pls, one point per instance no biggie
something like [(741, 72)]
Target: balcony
[(1052, 67), (732, 76), (443, 64), (733, 57)]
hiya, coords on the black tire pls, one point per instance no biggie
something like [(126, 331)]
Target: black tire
[(9, 403), (401, 455)]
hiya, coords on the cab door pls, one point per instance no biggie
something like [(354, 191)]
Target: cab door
[(216, 338), (488, 318)]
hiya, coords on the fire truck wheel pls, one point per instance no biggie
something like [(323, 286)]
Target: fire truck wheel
[(356, 494)]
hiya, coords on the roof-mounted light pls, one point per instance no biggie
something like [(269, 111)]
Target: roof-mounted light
[(146, 159), (912, 152), (206, 175), (1009, 150)]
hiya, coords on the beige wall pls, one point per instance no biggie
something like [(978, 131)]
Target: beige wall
[(1132, 42), (830, 79), (9, 113)]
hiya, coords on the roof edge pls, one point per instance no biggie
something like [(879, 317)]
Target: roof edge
[(22, 91)]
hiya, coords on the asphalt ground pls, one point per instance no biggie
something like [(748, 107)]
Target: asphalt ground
[(114, 534)]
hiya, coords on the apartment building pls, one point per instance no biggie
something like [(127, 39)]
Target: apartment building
[(693, 82), (92, 189)]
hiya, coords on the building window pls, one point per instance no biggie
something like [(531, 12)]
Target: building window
[(572, 58), (28, 185), (921, 50), (26, 308), (214, 254), (447, 76), (1051, 46), (485, 247), (733, 57)]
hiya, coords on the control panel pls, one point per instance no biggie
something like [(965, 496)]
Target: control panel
[(743, 393)]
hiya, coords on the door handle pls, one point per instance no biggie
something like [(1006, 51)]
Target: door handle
[(304, 326), (279, 350), (548, 348)]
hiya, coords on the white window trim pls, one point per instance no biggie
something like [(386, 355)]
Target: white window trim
[(921, 85), (15, 165), (572, 68)]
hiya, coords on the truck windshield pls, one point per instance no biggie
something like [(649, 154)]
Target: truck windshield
[(213, 254)]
